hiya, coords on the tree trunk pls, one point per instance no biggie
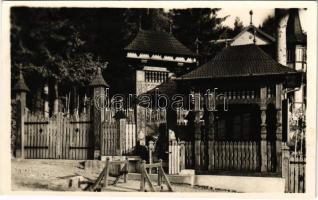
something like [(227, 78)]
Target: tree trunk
[(38, 101), (74, 106), (56, 98), (46, 99)]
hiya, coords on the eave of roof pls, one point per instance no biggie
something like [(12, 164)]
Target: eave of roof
[(238, 61), (156, 42)]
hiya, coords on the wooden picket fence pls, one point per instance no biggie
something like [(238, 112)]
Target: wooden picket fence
[(130, 138), (221, 156), (62, 137), (294, 166), (109, 138), (233, 156), (174, 159)]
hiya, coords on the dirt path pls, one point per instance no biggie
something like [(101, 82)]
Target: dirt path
[(53, 175)]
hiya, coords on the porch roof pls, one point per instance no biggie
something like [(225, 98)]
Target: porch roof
[(158, 42), (239, 61)]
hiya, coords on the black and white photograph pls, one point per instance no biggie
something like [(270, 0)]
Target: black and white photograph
[(209, 99)]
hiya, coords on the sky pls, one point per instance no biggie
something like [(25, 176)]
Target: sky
[(259, 15)]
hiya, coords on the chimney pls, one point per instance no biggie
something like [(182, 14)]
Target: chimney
[(281, 16)]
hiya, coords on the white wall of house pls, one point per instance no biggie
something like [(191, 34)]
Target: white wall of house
[(248, 38)]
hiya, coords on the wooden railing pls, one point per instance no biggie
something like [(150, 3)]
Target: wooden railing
[(221, 156), (109, 170), (240, 156), (145, 178)]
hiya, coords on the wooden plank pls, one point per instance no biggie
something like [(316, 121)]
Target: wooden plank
[(106, 173), (30, 138), (33, 140), (45, 140), (72, 139), (84, 141), (148, 180), (102, 141), (82, 132), (27, 137), (227, 155), (37, 138), (292, 174), (297, 166), (239, 156), (216, 151), (235, 156), (166, 179), (302, 175)]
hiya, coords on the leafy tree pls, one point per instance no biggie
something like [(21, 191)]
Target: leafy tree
[(49, 50), (269, 26), (238, 26), (198, 23)]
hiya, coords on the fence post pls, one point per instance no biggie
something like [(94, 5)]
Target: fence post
[(21, 90), (150, 150), (121, 132), (126, 169), (107, 165), (182, 155), (279, 88), (142, 176), (263, 107), (159, 173), (285, 164), (99, 102)]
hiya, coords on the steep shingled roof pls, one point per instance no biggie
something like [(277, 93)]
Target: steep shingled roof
[(238, 61), (294, 30), (158, 42)]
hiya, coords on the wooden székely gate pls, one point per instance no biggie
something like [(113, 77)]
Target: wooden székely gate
[(62, 137), (82, 136), (58, 137)]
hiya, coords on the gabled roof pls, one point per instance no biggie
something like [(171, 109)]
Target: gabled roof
[(158, 43), (294, 31), (238, 61), (251, 28)]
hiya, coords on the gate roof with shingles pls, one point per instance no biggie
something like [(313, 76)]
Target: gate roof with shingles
[(239, 61), (158, 43)]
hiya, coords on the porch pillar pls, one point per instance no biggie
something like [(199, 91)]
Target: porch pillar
[(197, 131), (279, 132), (21, 90), (210, 138), (211, 126), (99, 99), (263, 107)]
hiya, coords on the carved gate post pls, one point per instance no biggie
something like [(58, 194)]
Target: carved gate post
[(279, 134), (21, 90), (263, 106), (99, 102)]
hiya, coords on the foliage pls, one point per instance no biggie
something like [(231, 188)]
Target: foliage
[(269, 26), (66, 45), (297, 127), (190, 25)]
